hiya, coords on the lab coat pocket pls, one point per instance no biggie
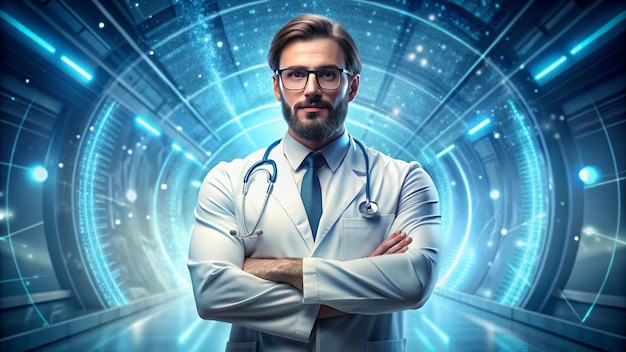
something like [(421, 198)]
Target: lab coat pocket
[(360, 236), (250, 346), (386, 346)]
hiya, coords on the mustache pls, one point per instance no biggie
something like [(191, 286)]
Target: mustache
[(317, 103)]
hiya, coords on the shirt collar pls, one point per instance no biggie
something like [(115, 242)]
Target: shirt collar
[(333, 152)]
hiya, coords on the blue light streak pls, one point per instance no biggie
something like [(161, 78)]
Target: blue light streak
[(478, 127), (445, 151), (76, 68), (196, 184), (147, 126), (597, 34), (424, 340), (186, 334), (27, 32), (445, 338), (551, 68), (188, 155)]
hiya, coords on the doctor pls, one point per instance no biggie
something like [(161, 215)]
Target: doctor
[(286, 277)]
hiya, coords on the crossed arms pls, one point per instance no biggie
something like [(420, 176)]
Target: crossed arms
[(289, 270), (285, 296)]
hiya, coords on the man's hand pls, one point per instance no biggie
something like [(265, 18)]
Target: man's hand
[(398, 242)]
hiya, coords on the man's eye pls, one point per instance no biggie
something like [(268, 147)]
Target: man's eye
[(329, 74), (298, 74)]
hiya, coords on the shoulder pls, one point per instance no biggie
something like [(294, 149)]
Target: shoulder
[(233, 169), (385, 161)]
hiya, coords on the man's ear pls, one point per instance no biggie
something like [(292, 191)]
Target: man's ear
[(353, 88), (276, 85)]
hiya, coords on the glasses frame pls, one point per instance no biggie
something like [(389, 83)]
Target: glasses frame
[(308, 74)]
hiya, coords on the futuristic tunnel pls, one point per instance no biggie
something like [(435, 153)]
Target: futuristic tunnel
[(113, 111)]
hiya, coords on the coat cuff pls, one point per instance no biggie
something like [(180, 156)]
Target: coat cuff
[(310, 288)]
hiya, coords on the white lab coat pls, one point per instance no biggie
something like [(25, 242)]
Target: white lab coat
[(269, 316)]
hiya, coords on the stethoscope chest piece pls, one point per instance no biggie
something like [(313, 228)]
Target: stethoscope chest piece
[(368, 209)]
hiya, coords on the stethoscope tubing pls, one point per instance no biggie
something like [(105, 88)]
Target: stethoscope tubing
[(368, 208)]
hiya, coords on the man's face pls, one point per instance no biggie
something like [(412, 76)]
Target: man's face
[(314, 114)]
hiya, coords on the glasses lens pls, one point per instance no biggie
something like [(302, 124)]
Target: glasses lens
[(328, 78), (297, 79), (294, 79)]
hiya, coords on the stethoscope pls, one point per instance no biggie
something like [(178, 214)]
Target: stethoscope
[(367, 208)]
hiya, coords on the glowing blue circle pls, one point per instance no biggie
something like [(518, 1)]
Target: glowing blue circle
[(589, 175), (494, 194), (40, 174)]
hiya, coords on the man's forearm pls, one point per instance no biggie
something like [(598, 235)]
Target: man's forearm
[(289, 270), (284, 270)]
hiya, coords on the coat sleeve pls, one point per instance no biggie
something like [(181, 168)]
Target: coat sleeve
[(222, 290), (386, 283)]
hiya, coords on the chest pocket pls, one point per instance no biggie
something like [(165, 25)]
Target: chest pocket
[(360, 236)]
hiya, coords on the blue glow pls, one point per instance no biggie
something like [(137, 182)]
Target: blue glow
[(147, 126), (176, 147), (40, 174), (189, 156), (494, 194), (597, 34), (550, 68), (196, 184), (445, 151), (186, 334), (27, 32), (478, 127), (445, 338), (533, 228), (589, 175), (76, 68), (93, 236)]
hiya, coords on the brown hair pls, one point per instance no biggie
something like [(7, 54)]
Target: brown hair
[(308, 27)]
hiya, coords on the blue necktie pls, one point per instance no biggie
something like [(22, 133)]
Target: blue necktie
[(311, 191)]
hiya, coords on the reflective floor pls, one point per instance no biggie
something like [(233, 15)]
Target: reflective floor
[(442, 325)]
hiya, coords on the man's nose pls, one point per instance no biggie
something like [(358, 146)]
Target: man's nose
[(312, 87)]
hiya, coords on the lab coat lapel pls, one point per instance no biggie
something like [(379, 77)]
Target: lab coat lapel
[(287, 195), (346, 184)]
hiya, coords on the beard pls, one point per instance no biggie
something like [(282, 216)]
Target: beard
[(316, 130)]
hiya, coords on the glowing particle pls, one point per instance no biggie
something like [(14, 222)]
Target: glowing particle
[(40, 174), (589, 175), (101, 24), (131, 195), (504, 232), (588, 231), (220, 44), (164, 186), (494, 194), (60, 165), (423, 62)]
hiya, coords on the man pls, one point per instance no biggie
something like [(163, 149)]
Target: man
[(290, 280)]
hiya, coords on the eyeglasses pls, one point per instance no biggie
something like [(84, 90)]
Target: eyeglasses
[(297, 79)]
